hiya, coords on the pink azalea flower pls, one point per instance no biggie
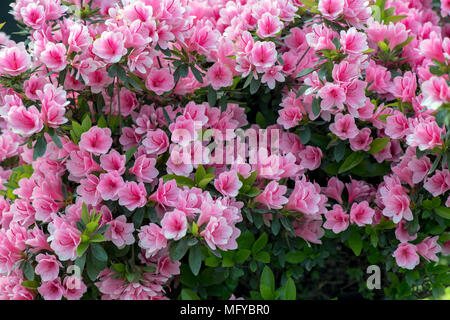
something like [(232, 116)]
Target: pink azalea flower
[(272, 75), (344, 126), (156, 142), (47, 267), (54, 56), (405, 87), (362, 140), (120, 232), (435, 92), (228, 183), (334, 189), (64, 238), (332, 96), (305, 198), (331, 9), (74, 288), (439, 183), (51, 290), (159, 81), (264, 55), (33, 15), (89, 191), (428, 248), (219, 75), (174, 225), (96, 140), (310, 157), (25, 121), (361, 213), (426, 135), (309, 229), (406, 256), (273, 196), (336, 219), (144, 169), (151, 239), (80, 164), (110, 46), (166, 194), (402, 234), (217, 232), (109, 185), (268, 26), (132, 195), (113, 161), (14, 60), (353, 42)]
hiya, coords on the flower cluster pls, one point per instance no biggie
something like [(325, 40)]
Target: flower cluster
[(145, 143)]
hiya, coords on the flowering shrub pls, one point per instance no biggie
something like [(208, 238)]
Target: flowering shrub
[(159, 149)]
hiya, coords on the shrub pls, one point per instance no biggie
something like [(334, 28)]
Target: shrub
[(225, 149)]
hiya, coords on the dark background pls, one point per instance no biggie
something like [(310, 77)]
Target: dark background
[(11, 24)]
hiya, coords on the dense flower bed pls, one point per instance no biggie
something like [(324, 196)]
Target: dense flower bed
[(271, 149)]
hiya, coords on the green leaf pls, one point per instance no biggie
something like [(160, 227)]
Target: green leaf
[(245, 240), (355, 242), (254, 86), (85, 217), (241, 255), (181, 180), (308, 3), (212, 96), (86, 124), (305, 135), (92, 226), (394, 19), (197, 74), (98, 252), (316, 107), (206, 179), (195, 259), (80, 262), (339, 152), (262, 256), (98, 238), (301, 91), (305, 72), (28, 271), (129, 153), (82, 247), (383, 46), (260, 243), (290, 292), (435, 164), (295, 257), (76, 127), (184, 70), (55, 138), (138, 217), (178, 250), (188, 294), (212, 261), (199, 173), (101, 123), (260, 120), (443, 212), (378, 145), (30, 284), (39, 148), (352, 161), (267, 284)]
